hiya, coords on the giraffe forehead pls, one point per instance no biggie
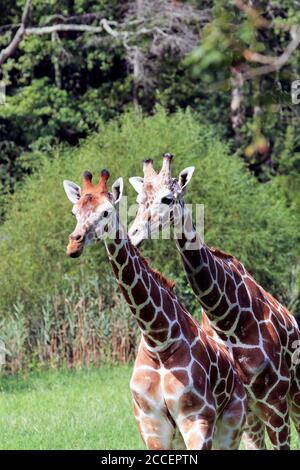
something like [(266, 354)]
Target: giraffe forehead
[(91, 201), (148, 194), (153, 189), (158, 185), (150, 187)]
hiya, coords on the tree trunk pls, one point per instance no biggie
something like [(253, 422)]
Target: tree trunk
[(236, 105), (137, 62)]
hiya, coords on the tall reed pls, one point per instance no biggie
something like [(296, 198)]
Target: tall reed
[(84, 324)]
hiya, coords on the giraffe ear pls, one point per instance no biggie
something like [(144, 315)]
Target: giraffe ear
[(117, 190), (185, 176), (72, 191), (137, 183)]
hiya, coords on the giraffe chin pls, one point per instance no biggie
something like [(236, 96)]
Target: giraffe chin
[(138, 243), (139, 237), (74, 250)]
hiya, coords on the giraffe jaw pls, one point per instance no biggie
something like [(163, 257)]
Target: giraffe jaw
[(137, 241), (140, 235), (147, 232)]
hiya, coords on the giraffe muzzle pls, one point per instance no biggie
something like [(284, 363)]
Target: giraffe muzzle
[(75, 246)]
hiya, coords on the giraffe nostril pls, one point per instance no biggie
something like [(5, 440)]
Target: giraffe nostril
[(77, 238)]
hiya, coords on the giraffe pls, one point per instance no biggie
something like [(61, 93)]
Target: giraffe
[(259, 332), (185, 389)]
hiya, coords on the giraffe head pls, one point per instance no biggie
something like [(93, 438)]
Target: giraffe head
[(94, 209), (158, 195)]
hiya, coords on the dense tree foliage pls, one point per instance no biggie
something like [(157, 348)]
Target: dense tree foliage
[(61, 84)]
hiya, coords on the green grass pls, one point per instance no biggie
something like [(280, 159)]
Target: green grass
[(86, 409)]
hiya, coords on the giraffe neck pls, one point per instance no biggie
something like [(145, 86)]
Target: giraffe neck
[(154, 306), (207, 273)]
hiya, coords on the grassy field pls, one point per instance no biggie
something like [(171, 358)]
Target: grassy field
[(87, 409)]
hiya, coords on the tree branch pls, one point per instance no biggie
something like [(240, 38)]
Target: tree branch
[(23, 31), (61, 28), (171, 26), (252, 56), (7, 27), (12, 47), (85, 17), (278, 62)]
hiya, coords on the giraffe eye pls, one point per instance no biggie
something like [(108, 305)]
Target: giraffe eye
[(167, 200), (105, 214)]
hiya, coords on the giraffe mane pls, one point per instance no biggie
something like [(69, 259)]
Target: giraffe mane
[(220, 253), (167, 283)]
